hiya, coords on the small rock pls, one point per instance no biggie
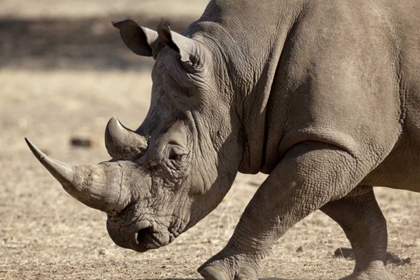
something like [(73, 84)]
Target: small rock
[(299, 250), (81, 142), (102, 252)]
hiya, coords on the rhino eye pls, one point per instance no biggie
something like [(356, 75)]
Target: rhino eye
[(175, 157), (177, 153), (189, 66), (192, 65)]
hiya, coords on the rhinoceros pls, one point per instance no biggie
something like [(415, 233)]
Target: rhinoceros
[(323, 96)]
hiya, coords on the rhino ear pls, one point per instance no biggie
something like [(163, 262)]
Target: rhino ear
[(137, 38), (187, 48)]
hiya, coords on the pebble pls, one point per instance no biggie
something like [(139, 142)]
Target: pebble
[(102, 252)]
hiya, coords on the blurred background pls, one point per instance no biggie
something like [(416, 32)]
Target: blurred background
[(51, 35), (64, 72), (62, 62)]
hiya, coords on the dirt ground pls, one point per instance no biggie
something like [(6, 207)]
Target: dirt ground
[(63, 74)]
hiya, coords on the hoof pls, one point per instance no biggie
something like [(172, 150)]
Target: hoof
[(213, 273)]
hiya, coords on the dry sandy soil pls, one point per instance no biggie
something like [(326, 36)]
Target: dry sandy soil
[(50, 92)]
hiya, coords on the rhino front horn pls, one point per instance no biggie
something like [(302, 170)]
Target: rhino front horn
[(121, 142), (97, 186)]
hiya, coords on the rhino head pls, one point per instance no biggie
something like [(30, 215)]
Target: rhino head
[(178, 165)]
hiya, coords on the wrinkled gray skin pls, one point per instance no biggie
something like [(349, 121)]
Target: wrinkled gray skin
[(324, 96)]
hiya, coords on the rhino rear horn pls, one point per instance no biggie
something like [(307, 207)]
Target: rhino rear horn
[(121, 142), (137, 38), (97, 186)]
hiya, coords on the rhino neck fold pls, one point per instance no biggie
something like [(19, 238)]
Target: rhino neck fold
[(251, 67)]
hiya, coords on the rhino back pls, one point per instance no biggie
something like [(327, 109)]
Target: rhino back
[(351, 78), (405, 30), (342, 72), (401, 168), (347, 75)]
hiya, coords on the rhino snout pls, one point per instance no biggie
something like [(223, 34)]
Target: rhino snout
[(140, 237)]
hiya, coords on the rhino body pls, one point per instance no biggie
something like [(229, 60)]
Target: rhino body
[(324, 96)]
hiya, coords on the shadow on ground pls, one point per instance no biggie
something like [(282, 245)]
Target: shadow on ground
[(48, 44), (271, 278)]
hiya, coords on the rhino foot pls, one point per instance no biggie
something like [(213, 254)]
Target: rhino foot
[(363, 276), (213, 273), (230, 267), (376, 271)]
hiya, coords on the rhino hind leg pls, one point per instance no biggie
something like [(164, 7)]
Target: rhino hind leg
[(360, 217)]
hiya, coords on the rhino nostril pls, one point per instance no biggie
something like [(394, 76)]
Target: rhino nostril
[(143, 234)]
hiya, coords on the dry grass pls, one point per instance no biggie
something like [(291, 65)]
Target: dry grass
[(46, 234)]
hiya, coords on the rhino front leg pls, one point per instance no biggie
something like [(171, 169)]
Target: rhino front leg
[(361, 218), (310, 175)]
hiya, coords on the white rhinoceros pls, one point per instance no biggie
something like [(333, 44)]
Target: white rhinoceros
[(324, 96)]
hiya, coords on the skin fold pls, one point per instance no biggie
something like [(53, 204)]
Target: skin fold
[(324, 96)]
